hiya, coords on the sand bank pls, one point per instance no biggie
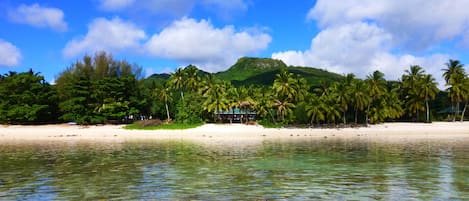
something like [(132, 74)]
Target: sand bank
[(236, 134)]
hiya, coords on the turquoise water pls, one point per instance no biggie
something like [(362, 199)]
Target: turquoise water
[(313, 170)]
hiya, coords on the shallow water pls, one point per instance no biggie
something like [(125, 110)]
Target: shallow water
[(313, 170)]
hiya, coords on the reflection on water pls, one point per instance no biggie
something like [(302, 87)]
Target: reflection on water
[(325, 170)]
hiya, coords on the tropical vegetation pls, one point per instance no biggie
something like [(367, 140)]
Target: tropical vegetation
[(99, 89)]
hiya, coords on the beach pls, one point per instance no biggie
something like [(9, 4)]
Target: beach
[(235, 134)]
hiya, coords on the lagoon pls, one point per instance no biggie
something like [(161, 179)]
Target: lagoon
[(326, 169)]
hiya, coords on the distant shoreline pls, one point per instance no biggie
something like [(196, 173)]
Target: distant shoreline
[(235, 134)]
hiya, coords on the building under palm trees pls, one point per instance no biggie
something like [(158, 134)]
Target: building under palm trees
[(236, 115)]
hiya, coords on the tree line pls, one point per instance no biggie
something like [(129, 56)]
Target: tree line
[(100, 89)]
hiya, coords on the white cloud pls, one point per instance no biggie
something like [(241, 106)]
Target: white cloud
[(198, 42), (360, 36), (359, 48), (39, 16), (9, 54), (113, 5), (416, 24), (107, 35)]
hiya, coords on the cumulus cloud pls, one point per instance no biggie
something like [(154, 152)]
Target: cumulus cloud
[(360, 36), (112, 5), (346, 48), (38, 16), (9, 54), (200, 43), (106, 35), (416, 24)]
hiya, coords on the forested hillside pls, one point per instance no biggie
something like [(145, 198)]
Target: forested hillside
[(100, 89)]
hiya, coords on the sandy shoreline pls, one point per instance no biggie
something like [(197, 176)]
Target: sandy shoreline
[(235, 134)]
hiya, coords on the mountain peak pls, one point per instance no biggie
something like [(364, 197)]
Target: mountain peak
[(259, 63)]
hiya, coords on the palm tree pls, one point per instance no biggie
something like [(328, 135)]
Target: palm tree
[(283, 108), (216, 100), (208, 83), (360, 97), (412, 76), (284, 85), (414, 103), (192, 77), (323, 89), (454, 76), (300, 88), (454, 68), (332, 110), (263, 106), (177, 81), (377, 88), (316, 109), (239, 98), (465, 96), (342, 90), (429, 90), (412, 83), (164, 94)]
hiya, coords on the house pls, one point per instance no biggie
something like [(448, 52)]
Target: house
[(236, 115)]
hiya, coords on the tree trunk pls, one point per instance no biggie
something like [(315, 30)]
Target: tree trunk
[(456, 112), (463, 111), (356, 115), (428, 112), (345, 121), (312, 119), (454, 115), (272, 116), (167, 112), (182, 96), (366, 114)]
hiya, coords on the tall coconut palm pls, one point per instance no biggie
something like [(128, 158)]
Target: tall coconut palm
[(165, 94), (453, 68), (284, 107), (465, 97), (342, 92), (377, 87), (178, 80), (316, 109), (360, 97), (216, 100), (300, 88), (239, 98), (208, 84), (284, 85), (454, 75), (332, 111), (429, 90), (264, 103), (412, 85), (412, 76), (414, 102), (192, 80)]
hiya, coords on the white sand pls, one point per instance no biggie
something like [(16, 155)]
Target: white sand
[(236, 134)]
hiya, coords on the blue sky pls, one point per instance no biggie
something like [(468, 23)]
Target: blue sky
[(343, 36)]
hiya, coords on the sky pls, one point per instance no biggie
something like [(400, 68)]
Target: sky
[(342, 36)]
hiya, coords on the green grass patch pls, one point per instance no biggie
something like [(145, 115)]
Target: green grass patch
[(170, 126), (268, 124)]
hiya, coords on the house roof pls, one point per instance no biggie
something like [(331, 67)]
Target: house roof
[(236, 111)]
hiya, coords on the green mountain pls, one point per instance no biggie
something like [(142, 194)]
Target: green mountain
[(261, 71)]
